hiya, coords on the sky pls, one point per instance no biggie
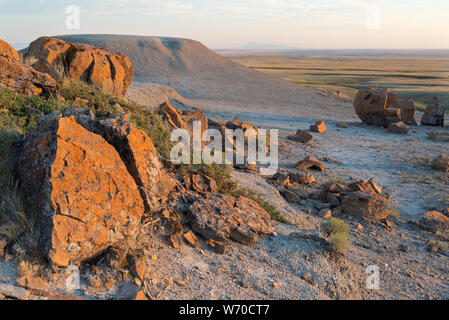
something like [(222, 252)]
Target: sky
[(220, 24)]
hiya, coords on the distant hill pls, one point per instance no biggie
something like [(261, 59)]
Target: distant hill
[(192, 69), (265, 47)]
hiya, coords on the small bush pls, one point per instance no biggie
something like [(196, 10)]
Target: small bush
[(337, 235), (334, 226), (338, 243)]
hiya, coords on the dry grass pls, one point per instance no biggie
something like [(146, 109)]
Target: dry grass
[(418, 78)]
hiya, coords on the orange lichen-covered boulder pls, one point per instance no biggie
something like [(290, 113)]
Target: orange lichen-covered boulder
[(17, 77), (135, 149), (8, 51), (173, 116), (139, 155), (376, 106), (83, 197), (109, 71)]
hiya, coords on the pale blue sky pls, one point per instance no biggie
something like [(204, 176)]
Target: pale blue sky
[(232, 23)]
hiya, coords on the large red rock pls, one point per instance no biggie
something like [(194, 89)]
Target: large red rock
[(376, 106), (222, 217), (17, 77), (109, 71), (408, 112), (83, 197)]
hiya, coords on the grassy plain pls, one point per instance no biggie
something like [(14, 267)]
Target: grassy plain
[(420, 78)]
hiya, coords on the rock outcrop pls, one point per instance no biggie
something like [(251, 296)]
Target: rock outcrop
[(434, 114), (376, 106), (84, 198), (135, 149), (223, 217), (17, 77), (103, 69)]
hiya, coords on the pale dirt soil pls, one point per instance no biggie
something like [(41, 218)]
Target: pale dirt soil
[(275, 268)]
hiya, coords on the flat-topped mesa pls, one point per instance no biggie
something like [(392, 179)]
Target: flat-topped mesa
[(377, 106), (17, 77), (109, 71)]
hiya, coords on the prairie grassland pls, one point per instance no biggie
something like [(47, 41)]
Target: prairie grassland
[(420, 78)]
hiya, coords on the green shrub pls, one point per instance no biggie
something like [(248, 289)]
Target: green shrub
[(338, 243), (337, 235), (334, 226)]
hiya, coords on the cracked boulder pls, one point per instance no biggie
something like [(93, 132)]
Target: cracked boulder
[(222, 217), (377, 106), (83, 197), (109, 71), (136, 151), (17, 77)]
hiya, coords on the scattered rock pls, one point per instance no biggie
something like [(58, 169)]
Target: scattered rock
[(14, 292), (109, 71), (138, 266), (434, 114), (325, 214), (408, 112), (84, 198), (441, 163), (141, 296), (173, 242), (359, 228), (310, 163), (399, 127), (36, 285), (376, 106), (191, 239), (221, 217), (435, 221), (321, 205), (301, 136), (302, 178), (127, 291), (365, 205), (338, 188), (173, 116), (199, 183), (17, 77), (439, 136), (343, 125), (319, 127)]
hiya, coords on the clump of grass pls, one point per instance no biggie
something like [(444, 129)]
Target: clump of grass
[(437, 245), (337, 235)]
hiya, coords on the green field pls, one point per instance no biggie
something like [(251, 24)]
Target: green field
[(410, 77)]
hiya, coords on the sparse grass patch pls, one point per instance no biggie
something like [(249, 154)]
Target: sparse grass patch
[(337, 235)]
